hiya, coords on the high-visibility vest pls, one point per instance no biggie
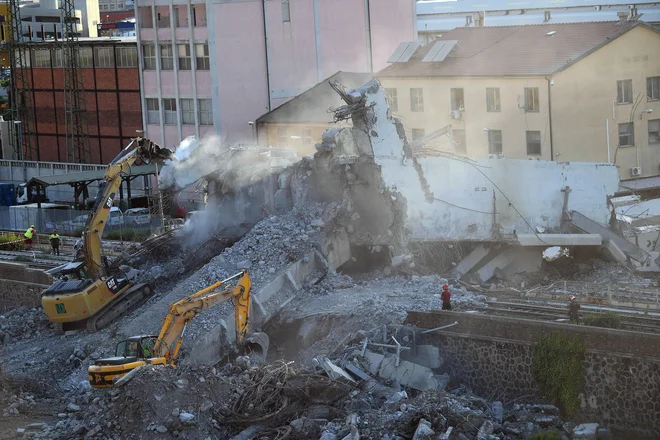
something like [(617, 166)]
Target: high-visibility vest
[(53, 236), (28, 233)]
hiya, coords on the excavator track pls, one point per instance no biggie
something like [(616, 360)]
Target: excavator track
[(128, 300)]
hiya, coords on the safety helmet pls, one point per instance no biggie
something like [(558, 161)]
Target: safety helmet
[(571, 298), (54, 231), (32, 226), (445, 287)]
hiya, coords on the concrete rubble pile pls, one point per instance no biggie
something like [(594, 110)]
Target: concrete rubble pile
[(21, 324), (348, 397)]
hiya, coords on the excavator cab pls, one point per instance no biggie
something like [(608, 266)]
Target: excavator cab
[(139, 347)]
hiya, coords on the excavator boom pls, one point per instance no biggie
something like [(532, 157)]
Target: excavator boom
[(181, 312), (138, 351)]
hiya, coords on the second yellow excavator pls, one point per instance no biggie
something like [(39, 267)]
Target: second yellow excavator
[(138, 351)]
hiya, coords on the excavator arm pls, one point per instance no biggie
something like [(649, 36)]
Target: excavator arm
[(183, 311), (139, 149)]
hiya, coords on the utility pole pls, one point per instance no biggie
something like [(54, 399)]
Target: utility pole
[(75, 110), (21, 107)]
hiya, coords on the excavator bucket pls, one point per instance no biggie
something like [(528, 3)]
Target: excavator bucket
[(256, 344)]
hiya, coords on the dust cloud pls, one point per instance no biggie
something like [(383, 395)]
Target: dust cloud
[(230, 167)]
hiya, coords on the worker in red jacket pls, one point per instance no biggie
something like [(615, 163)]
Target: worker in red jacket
[(445, 296)]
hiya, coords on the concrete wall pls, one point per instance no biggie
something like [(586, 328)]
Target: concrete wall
[(583, 97), (448, 198), (511, 119), (494, 355), (21, 286)]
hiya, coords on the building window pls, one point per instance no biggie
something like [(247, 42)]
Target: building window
[(188, 111), (494, 141), (181, 15), (127, 56), (392, 99), (199, 15), (153, 113), (149, 56), (120, 6), (166, 57), (163, 16), (653, 88), (457, 100), (654, 131), (626, 134), (202, 61), (205, 112), (460, 146), (286, 11), (533, 143), (417, 134), (493, 100), (282, 137), (104, 57), (531, 99), (417, 100), (624, 91), (41, 58), (307, 136), (113, 7), (185, 60), (169, 110), (144, 13), (85, 57)]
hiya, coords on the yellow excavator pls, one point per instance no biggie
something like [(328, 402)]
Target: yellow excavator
[(163, 349), (86, 292)]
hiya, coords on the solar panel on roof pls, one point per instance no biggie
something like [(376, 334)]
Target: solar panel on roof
[(403, 52), (439, 51)]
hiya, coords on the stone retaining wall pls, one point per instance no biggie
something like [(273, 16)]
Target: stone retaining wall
[(622, 390), (21, 286)]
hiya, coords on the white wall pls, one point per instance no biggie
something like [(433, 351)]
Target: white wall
[(464, 189)]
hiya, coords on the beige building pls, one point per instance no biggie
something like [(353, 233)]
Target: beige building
[(562, 92)]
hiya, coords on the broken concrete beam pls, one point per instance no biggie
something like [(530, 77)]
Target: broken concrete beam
[(355, 371), (333, 371), (374, 359), (560, 239), (425, 355), (409, 374), (127, 377), (468, 263)]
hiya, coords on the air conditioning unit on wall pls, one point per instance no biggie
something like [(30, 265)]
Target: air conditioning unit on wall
[(636, 171), (455, 114)]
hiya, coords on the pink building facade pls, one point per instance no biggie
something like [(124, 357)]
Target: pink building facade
[(214, 66)]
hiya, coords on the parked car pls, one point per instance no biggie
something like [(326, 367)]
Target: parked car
[(116, 218), (77, 223), (137, 217)]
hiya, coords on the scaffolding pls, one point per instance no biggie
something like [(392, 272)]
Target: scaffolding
[(78, 149), (22, 129)]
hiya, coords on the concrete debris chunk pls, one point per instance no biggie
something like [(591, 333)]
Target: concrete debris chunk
[(485, 430), (332, 370), (72, 407), (585, 431), (424, 431), (497, 409), (186, 418)]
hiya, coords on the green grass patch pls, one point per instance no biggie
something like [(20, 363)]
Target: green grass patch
[(605, 320), (557, 368), (11, 242), (545, 435)]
